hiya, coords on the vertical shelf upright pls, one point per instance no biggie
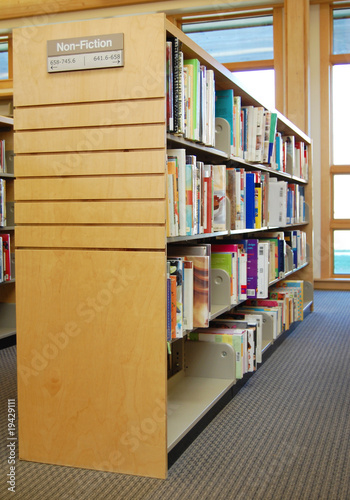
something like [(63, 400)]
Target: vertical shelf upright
[(7, 287)]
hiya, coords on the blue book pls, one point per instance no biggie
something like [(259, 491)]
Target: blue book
[(224, 108), (250, 200)]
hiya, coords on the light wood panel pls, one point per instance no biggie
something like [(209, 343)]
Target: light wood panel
[(91, 359), (90, 139), (91, 114), (143, 74), (95, 163), (94, 188), (25, 8), (325, 92), (61, 236), (90, 212), (296, 44)]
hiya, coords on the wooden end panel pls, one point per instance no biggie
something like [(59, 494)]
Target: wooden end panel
[(142, 76), (90, 139), (92, 350), (99, 237)]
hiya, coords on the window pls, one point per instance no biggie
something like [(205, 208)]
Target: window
[(335, 26), (234, 40), (4, 58), (244, 44), (341, 31), (340, 138)]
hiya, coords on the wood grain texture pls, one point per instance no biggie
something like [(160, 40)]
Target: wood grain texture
[(83, 236), (143, 74), (95, 368), (25, 8), (90, 188), (95, 163), (91, 114), (90, 139), (91, 212)]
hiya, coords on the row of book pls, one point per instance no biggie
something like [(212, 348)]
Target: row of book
[(5, 257), (204, 198), (190, 96), (251, 265), (193, 104), (243, 329)]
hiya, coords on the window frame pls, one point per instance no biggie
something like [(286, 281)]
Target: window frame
[(276, 63), (328, 169)]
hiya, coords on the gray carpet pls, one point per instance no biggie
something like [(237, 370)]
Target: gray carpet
[(286, 434)]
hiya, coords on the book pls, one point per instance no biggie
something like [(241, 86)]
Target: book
[(200, 255), (180, 156), (188, 295), (263, 269), (193, 68), (224, 109), (207, 199), (176, 269), (231, 196), (169, 87), (172, 198), (219, 195), (6, 254), (250, 200), (272, 136)]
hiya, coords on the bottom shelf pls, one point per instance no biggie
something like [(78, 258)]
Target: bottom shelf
[(7, 332), (209, 371), (197, 393), (7, 319), (189, 400)]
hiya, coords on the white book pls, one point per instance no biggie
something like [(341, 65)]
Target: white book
[(263, 269), (170, 207), (188, 295)]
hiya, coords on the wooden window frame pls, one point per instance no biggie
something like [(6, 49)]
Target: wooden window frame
[(276, 63), (328, 170)]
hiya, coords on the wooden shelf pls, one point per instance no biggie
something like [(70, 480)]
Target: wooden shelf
[(6, 120)]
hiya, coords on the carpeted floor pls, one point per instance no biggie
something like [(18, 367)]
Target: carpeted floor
[(285, 436)]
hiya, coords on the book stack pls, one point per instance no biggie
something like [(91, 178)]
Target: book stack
[(190, 96), (5, 258), (248, 193), (188, 304), (297, 157), (196, 195)]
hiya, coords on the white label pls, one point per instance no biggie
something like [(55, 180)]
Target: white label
[(110, 59)]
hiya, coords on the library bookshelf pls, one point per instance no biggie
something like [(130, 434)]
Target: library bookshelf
[(91, 251), (7, 286)]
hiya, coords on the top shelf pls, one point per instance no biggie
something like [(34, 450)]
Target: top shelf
[(224, 79)]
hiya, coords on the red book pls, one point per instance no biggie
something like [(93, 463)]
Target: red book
[(6, 256)]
